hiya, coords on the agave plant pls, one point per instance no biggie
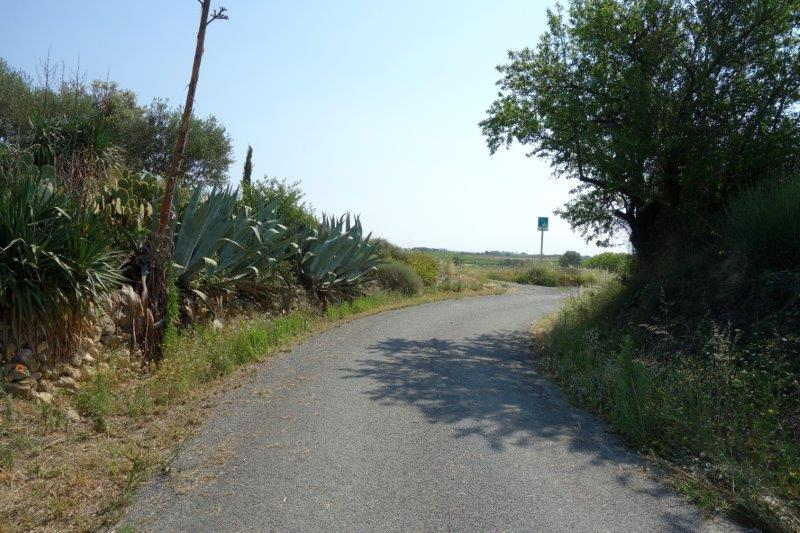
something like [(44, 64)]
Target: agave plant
[(220, 240), (336, 259), (55, 260)]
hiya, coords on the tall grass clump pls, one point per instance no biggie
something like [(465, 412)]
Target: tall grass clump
[(399, 277), (55, 261)]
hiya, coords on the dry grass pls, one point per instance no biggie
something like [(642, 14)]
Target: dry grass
[(58, 474)]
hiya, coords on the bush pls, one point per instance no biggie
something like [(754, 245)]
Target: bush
[(399, 277), (425, 265), (618, 263), (388, 251), (287, 199), (570, 259)]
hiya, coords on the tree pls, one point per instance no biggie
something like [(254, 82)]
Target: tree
[(70, 113), (569, 259), (248, 168), (155, 286), (660, 109)]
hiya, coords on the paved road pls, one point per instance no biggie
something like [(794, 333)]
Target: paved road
[(425, 418)]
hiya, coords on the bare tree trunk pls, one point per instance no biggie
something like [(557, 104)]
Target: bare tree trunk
[(154, 285)]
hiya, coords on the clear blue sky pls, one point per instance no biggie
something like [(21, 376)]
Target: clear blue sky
[(373, 105)]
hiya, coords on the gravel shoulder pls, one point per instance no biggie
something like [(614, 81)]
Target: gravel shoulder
[(424, 418)]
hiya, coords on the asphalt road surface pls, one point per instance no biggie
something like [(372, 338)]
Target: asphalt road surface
[(425, 418)]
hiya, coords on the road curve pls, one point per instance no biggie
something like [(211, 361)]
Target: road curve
[(425, 418)]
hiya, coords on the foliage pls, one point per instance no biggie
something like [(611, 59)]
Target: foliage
[(125, 205), (64, 120), (220, 243), (662, 109), (336, 258), (569, 259), (247, 172), (425, 265), (388, 251), (399, 277), (762, 226), (726, 414), (55, 260), (618, 263), (287, 198)]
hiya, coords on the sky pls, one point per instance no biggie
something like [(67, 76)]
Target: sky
[(373, 105)]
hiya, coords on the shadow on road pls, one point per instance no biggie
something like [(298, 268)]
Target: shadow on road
[(484, 385)]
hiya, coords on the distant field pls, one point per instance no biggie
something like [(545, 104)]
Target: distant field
[(488, 259)]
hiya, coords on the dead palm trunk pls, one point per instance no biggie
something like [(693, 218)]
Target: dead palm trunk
[(154, 280)]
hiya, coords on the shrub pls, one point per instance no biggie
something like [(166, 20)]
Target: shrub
[(539, 275), (570, 259), (425, 265), (55, 261), (399, 277), (618, 263)]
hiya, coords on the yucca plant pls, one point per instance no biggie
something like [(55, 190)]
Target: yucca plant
[(221, 242), (336, 259), (55, 260)]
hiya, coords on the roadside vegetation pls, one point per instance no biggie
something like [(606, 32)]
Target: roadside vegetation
[(101, 377), (679, 121)]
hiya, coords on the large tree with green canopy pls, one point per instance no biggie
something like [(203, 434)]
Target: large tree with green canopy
[(660, 109)]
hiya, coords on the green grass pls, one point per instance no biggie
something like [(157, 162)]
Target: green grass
[(723, 417)]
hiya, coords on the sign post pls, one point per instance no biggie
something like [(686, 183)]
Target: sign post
[(542, 226)]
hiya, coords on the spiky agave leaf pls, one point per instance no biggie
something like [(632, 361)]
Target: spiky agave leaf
[(336, 258)]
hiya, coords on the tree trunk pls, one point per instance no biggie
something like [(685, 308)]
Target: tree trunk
[(155, 278)]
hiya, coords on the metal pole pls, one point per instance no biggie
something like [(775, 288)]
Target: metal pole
[(541, 246)]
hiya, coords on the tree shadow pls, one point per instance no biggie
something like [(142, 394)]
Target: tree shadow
[(484, 385)]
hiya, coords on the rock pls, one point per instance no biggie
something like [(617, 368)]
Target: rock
[(45, 385), (72, 415), (22, 389), (76, 360), (216, 324), (36, 376), (90, 371), (45, 397), (87, 358), (67, 382), (74, 373), (103, 366)]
